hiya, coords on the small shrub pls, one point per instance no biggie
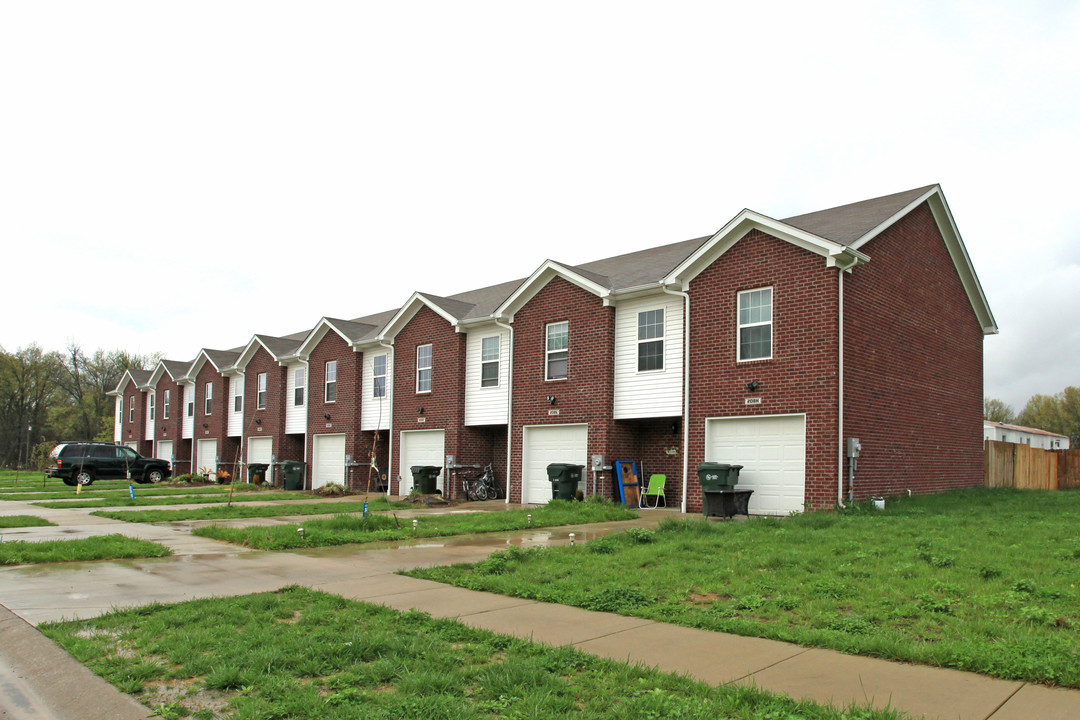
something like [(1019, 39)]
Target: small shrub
[(1025, 586), (989, 572), (749, 602), (602, 546), (1037, 616), (935, 605), (615, 599), (641, 536)]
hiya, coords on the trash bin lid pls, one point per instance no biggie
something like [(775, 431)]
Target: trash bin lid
[(714, 466)]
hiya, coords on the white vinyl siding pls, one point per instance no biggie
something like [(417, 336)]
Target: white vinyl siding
[(656, 393), (755, 334), (188, 426), (421, 447), (296, 415), (772, 451), (546, 444), (486, 405), (151, 413), (375, 411), (119, 421), (236, 407)]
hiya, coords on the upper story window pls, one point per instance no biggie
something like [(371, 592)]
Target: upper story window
[(558, 350), (331, 381), (152, 409), (209, 398), (238, 395), (131, 409), (190, 393), (301, 384), (650, 335), (260, 392), (489, 362), (755, 324), (378, 376), (166, 401), (423, 368)]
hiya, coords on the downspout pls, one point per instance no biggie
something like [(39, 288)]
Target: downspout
[(686, 389), (840, 393), (307, 417), (509, 406), (390, 420)]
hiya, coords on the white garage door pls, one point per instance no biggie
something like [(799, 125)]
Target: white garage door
[(133, 445), (260, 450), (546, 444), (165, 450), (772, 451), (421, 447), (206, 457), (329, 457)]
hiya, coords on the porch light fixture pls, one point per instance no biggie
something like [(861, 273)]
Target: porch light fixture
[(205, 425), (326, 416), (753, 385), (420, 411), (551, 399), (258, 421)]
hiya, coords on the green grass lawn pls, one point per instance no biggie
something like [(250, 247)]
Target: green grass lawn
[(983, 580), (218, 496), (316, 506), (345, 529), (104, 547), (299, 653), (17, 521)]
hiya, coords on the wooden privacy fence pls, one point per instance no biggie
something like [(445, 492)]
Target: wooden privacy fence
[(1028, 468)]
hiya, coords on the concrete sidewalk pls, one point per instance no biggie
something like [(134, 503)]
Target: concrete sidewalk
[(42, 593)]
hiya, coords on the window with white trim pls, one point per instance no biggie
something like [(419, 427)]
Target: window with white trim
[(131, 409), (260, 392), (166, 400), (423, 368), (238, 395), (489, 362), (331, 381), (209, 402), (189, 392), (755, 324), (301, 385), (558, 351), (153, 406), (378, 376), (650, 335)]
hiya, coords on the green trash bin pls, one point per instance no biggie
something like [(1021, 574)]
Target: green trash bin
[(564, 479), (257, 472), (718, 476), (293, 470), (425, 478)]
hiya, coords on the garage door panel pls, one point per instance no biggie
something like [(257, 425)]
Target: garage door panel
[(328, 455), (772, 451), (206, 451), (422, 447), (546, 444)]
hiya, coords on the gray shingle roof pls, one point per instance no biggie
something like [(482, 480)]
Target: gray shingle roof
[(141, 377), (351, 329), (279, 347), (847, 223), (176, 369), (223, 358)]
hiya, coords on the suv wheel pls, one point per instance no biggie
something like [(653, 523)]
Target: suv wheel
[(84, 477), (155, 475), (69, 481)]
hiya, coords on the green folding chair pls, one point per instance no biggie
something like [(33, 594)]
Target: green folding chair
[(655, 490)]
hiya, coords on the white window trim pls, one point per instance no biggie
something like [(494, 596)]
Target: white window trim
[(548, 353), (739, 326), (131, 409), (430, 368), (300, 386), (189, 406), (166, 398), (260, 391), (153, 406), (208, 400), (375, 376), (662, 340), (497, 362), (327, 382)]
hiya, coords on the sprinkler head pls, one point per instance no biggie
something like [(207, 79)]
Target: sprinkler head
[(572, 536), (530, 519), (300, 531), (414, 523)]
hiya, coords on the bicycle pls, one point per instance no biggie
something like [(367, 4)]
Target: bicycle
[(482, 487)]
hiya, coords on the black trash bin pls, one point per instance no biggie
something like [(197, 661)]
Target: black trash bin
[(425, 478), (718, 476), (564, 479), (257, 472), (293, 472)]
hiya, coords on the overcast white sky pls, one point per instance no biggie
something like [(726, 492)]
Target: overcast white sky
[(183, 175)]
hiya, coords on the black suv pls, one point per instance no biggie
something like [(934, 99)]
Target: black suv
[(80, 463)]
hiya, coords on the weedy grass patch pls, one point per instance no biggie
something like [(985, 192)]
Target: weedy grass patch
[(980, 580), (102, 547), (346, 529), (222, 511), (298, 653), (18, 521)]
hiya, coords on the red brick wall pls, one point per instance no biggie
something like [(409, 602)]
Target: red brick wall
[(912, 365), (273, 415), (134, 430), (586, 395), (216, 422), (169, 429), (650, 439), (802, 375), (344, 412)]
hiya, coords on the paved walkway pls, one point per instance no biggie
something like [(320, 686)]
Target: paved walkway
[(30, 665)]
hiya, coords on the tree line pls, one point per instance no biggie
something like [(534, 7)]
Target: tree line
[(1058, 413), (47, 397)]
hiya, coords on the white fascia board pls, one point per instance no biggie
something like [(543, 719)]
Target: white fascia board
[(316, 336), (119, 389), (406, 313), (735, 230), (155, 377), (541, 277), (201, 359), (638, 291), (943, 216), (249, 352)]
